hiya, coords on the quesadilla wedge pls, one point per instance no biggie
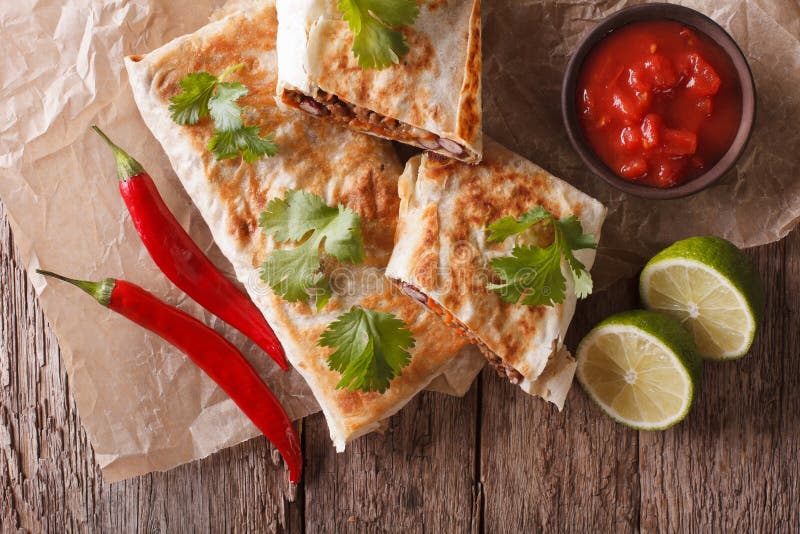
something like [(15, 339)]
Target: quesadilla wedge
[(430, 99), (340, 166), (442, 253)]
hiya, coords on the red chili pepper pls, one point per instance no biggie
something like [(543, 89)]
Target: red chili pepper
[(182, 261), (220, 360)]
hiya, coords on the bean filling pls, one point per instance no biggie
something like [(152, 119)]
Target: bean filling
[(331, 107), (502, 369)]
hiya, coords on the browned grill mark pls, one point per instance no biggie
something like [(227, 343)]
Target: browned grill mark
[(470, 109)]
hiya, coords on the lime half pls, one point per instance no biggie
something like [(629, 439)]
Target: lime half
[(711, 287), (641, 368)]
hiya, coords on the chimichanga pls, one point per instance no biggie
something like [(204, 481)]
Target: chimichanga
[(441, 255), (431, 99)]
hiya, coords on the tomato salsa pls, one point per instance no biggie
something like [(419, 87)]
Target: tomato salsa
[(659, 102)]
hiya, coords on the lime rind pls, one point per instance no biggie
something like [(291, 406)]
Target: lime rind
[(664, 333)]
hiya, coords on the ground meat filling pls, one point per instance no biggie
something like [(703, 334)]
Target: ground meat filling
[(503, 369), (330, 106)]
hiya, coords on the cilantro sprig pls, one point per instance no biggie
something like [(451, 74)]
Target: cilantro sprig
[(245, 140), (377, 43), (371, 349), (205, 94), (532, 274), (302, 217)]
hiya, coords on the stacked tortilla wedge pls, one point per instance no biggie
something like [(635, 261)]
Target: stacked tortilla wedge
[(441, 259), (430, 99), (339, 165)]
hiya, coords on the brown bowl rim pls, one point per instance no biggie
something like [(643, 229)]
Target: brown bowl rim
[(702, 23)]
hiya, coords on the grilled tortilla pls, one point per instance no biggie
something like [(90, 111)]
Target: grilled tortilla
[(340, 165), (441, 254), (430, 99)]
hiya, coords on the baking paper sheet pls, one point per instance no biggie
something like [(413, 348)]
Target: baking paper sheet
[(145, 406)]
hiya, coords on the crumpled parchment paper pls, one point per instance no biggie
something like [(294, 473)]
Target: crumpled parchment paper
[(144, 405)]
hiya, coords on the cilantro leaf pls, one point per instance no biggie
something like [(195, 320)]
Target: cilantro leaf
[(296, 214), (572, 232), (377, 43), (504, 228), (343, 239), (225, 112), (295, 274), (371, 348), (533, 274), (227, 144), (274, 220), (352, 13), (301, 212), (191, 105), (290, 273), (393, 12), (204, 94), (377, 46), (575, 239)]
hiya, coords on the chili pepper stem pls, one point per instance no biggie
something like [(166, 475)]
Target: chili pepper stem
[(100, 291), (127, 167)]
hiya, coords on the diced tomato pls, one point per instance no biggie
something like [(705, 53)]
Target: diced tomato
[(635, 168), (669, 171), (637, 81), (683, 67), (678, 142), (651, 130), (630, 138), (660, 72), (703, 79), (627, 104), (706, 105)]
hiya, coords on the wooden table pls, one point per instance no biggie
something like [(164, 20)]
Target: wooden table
[(495, 460)]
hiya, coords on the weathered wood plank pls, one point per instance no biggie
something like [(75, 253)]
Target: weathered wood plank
[(236, 490), (732, 465), (46, 464), (542, 470), (418, 476), (50, 482), (444, 464)]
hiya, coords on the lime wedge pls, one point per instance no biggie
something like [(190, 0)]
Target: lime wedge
[(712, 288), (641, 368)]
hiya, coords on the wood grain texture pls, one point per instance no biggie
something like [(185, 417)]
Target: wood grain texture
[(417, 476), (569, 471), (494, 461)]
